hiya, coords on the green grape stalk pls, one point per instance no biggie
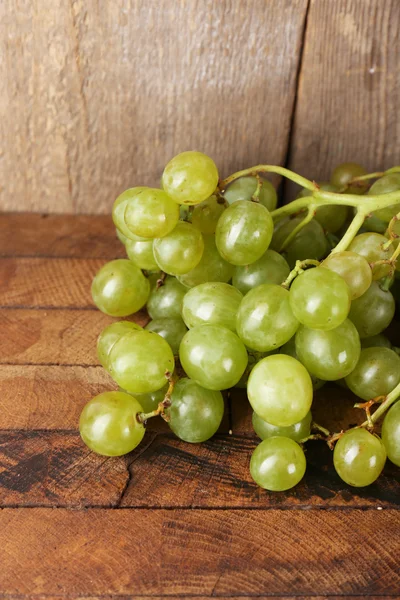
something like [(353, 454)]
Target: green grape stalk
[(240, 293)]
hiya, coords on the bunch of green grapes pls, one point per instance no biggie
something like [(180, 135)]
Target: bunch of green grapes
[(240, 295)]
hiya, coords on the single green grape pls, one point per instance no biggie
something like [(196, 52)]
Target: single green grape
[(278, 464), (206, 214), (309, 242), (370, 246), (190, 178), (141, 254), (212, 267), (118, 213), (122, 238), (180, 251), (280, 390), (151, 400), (359, 457), (372, 312), (196, 412), (376, 341), (108, 424), (172, 330), (290, 349), (372, 223), (166, 300), (376, 373), (353, 268), (344, 173), (265, 320), (244, 188), (213, 356), (140, 362), (109, 336), (150, 213), (243, 233), (297, 432), (270, 268), (329, 355), (391, 433), (385, 185), (214, 302), (320, 299), (120, 289)]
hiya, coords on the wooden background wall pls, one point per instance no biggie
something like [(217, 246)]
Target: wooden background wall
[(96, 95)]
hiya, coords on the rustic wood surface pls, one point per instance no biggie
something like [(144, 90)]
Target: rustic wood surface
[(170, 519), (99, 96)]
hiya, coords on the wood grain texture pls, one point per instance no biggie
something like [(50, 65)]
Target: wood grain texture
[(98, 97), (211, 553), (348, 96), (61, 236)]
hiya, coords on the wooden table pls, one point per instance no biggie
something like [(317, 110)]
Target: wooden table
[(170, 519)]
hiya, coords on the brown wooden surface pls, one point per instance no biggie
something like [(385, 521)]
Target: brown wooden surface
[(99, 96), (348, 95), (169, 519)]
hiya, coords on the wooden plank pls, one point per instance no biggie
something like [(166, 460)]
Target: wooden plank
[(115, 106), (192, 552), (54, 337), (43, 282), (63, 236), (348, 95), (119, 597)]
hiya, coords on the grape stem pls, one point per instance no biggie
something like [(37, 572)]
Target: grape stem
[(299, 268), (385, 405), (160, 410), (351, 232), (310, 214)]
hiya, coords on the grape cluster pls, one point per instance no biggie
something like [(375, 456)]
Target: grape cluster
[(242, 294)]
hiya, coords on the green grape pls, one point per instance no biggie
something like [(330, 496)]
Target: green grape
[(278, 464), (280, 390), (212, 267), (369, 245), (290, 349), (244, 232), (320, 299), (359, 457), (205, 215), (344, 173), (265, 320), (172, 330), (150, 213), (309, 242), (297, 432), (166, 301), (190, 178), (118, 213), (270, 268), (391, 433), (141, 254), (353, 268), (108, 424), (329, 355), (122, 238), (372, 312), (151, 400), (213, 356), (372, 223), (376, 341), (109, 336), (195, 413), (385, 185), (216, 303), (376, 374), (180, 251), (120, 289), (140, 362), (244, 188)]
